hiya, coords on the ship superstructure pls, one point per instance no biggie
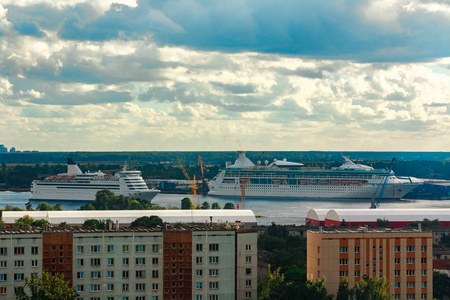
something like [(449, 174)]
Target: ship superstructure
[(285, 179), (78, 186)]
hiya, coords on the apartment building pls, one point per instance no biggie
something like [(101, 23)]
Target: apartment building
[(200, 262), (404, 257)]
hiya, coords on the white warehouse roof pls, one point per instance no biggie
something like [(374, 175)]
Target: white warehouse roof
[(394, 215), (317, 214), (77, 217)]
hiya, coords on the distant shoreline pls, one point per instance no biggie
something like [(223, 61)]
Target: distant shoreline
[(15, 190)]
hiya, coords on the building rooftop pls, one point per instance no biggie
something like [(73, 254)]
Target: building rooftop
[(364, 230)]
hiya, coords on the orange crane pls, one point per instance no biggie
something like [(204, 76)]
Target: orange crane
[(193, 183), (245, 181), (201, 164)]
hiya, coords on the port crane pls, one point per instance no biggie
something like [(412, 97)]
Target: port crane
[(201, 164), (192, 183), (383, 187), (245, 181)]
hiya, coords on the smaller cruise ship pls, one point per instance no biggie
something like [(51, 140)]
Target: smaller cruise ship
[(78, 186)]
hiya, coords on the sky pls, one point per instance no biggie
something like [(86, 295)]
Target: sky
[(193, 75)]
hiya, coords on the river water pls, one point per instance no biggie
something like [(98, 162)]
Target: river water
[(280, 211)]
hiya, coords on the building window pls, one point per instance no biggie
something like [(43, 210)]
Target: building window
[(213, 297), (357, 261), (343, 261), (397, 284), (140, 286), (423, 296), (155, 260), (214, 285), (199, 272), (397, 296), (424, 248), (18, 276), (248, 294), (110, 287), (213, 272), (125, 274), (410, 272), (155, 286), (18, 263), (34, 263), (125, 287), (110, 261), (80, 249), (410, 248), (397, 272), (110, 248), (125, 261), (248, 259), (19, 250), (155, 274), (199, 247), (80, 275), (96, 275), (410, 296), (424, 284), (3, 291), (410, 260), (80, 288), (140, 274), (95, 261), (3, 251), (397, 260), (125, 248), (357, 273), (248, 271), (248, 247), (356, 249), (397, 248), (80, 262), (423, 260), (155, 248), (248, 282), (213, 259), (110, 274), (343, 273), (140, 248), (140, 260), (199, 285), (3, 264), (343, 249), (410, 284), (34, 250), (199, 260), (213, 247), (3, 277), (95, 287), (95, 249), (424, 272)]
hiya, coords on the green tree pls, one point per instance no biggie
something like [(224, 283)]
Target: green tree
[(372, 288), (269, 288), (49, 287), (215, 205), (441, 286), (40, 223), (382, 222), (344, 292), (316, 290), (57, 207), (205, 205), (445, 240), (2, 223), (186, 203), (228, 205), (44, 206), (29, 205), (25, 221), (147, 222), (96, 224)]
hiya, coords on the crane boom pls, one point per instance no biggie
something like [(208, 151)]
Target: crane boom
[(383, 187), (192, 183)]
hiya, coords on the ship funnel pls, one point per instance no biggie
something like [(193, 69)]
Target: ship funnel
[(72, 168)]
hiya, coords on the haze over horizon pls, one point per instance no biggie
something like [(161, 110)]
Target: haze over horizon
[(189, 75)]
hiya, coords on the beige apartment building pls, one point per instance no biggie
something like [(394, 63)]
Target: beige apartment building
[(199, 262), (404, 257)]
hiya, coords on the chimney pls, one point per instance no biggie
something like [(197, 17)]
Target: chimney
[(117, 225), (210, 221)]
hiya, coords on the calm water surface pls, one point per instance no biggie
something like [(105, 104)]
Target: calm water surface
[(280, 211)]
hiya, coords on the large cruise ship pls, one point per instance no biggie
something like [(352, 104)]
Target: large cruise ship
[(286, 179), (78, 186)]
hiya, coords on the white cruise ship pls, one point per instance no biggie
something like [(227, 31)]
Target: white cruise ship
[(78, 186), (286, 179)]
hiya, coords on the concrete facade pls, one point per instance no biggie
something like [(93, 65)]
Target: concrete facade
[(191, 262), (403, 257)]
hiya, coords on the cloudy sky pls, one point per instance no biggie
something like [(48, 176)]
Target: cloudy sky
[(225, 75)]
